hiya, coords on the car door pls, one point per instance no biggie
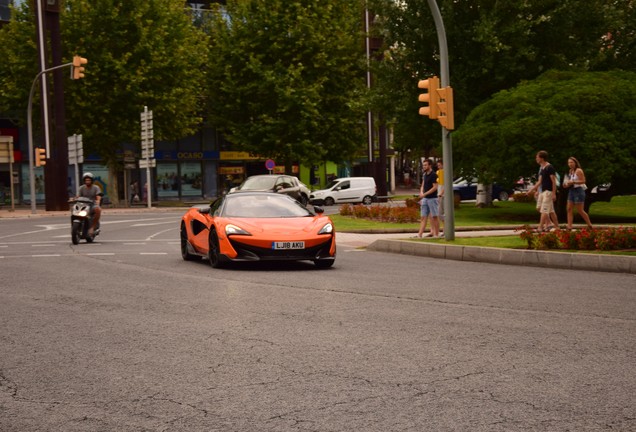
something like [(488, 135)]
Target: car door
[(343, 192)]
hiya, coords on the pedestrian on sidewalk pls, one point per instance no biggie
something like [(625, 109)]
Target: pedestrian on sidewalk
[(548, 183), (575, 182), (428, 201), (440, 192)]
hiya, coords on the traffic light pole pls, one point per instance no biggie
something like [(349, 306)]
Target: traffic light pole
[(447, 153), (30, 133)]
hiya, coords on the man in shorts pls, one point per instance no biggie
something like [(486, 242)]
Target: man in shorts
[(548, 183), (429, 205)]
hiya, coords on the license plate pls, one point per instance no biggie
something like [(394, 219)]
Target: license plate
[(288, 245)]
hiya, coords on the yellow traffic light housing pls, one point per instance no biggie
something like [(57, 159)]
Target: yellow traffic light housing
[(78, 69), (431, 98), (40, 157), (445, 107)]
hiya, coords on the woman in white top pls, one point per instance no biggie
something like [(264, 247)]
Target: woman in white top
[(575, 182)]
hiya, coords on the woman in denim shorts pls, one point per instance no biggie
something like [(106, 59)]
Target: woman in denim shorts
[(575, 182)]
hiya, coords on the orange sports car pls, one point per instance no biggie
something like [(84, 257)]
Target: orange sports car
[(257, 226)]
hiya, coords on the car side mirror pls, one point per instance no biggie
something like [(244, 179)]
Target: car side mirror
[(233, 190), (319, 210), (204, 210)]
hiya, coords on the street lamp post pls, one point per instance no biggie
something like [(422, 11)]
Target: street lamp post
[(447, 153)]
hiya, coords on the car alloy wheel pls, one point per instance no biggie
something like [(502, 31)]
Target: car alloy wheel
[(213, 251)]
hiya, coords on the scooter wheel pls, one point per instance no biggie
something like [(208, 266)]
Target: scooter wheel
[(75, 233)]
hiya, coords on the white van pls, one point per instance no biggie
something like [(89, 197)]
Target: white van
[(346, 190)]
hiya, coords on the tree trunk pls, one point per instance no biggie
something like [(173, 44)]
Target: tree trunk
[(112, 188), (484, 195)]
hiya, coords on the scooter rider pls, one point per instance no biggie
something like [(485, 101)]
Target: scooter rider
[(93, 192)]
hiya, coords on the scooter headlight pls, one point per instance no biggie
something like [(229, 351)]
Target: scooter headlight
[(83, 213)]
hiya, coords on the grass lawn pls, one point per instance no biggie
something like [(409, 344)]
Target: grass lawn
[(620, 211)]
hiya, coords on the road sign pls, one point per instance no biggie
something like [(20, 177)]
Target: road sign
[(270, 164), (75, 150), (147, 163), (6, 149)]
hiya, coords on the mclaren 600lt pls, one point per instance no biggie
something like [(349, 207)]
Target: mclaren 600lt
[(257, 226)]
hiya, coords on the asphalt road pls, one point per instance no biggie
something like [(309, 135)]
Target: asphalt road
[(124, 335)]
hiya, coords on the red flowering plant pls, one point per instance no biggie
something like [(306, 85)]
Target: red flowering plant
[(527, 234), (585, 239)]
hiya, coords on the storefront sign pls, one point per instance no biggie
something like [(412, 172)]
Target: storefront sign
[(235, 155), (231, 170)]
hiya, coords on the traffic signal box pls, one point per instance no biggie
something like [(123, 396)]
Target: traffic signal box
[(78, 69), (40, 157), (445, 104), (430, 98), (439, 100)]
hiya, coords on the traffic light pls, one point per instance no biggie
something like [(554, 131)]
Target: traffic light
[(431, 84), (40, 157), (445, 107), (78, 69)]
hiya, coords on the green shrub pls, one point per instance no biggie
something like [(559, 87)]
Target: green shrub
[(522, 197)]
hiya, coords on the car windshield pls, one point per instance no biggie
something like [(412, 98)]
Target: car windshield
[(259, 183), (263, 206)]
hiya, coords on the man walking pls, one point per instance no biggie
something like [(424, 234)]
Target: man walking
[(548, 183), (428, 201)]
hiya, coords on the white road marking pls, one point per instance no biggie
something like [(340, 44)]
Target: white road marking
[(100, 253), (44, 256), (154, 223), (133, 244), (43, 245), (159, 233), (153, 253)]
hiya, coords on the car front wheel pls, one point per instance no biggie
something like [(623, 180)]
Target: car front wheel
[(329, 201), (367, 200), (214, 252), (503, 196)]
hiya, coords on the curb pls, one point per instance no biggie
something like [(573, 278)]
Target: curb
[(534, 258)]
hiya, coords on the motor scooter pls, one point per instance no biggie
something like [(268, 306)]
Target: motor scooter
[(82, 219)]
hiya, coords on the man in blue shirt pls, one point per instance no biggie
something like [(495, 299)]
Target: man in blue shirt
[(429, 205)]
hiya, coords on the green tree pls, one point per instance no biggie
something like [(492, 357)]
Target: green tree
[(493, 45), (140, 54), (588, 115), (286, 78)]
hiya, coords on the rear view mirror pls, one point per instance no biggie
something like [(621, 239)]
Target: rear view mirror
[(319, 210)]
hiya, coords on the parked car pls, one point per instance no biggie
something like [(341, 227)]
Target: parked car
[(257, 226), (346, 190), (465, 189), (278, 183)]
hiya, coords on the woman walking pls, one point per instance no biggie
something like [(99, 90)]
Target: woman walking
[(575, 182)]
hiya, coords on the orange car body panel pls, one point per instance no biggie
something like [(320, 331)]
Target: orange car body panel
[(263, 231)]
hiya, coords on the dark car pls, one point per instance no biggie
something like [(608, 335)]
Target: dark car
[(464, 190), (283, 184)]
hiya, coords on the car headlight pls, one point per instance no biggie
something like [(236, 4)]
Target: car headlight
[(316, 194), (327, 229), (234, 230)]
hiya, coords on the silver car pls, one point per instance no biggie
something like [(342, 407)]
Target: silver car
[(279, 183)]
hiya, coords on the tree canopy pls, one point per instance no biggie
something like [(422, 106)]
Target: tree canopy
[(286, 78), (588, 115), (493, 45), (140, 53)]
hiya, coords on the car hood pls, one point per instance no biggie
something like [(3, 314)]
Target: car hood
[(280, 225)]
